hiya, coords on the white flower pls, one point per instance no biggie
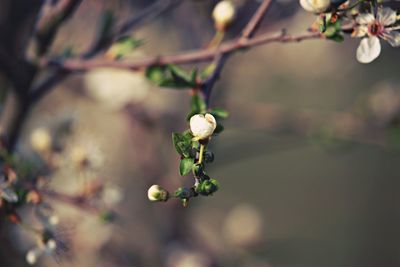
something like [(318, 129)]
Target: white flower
[(49, 249), (115, 88), (223, 14), (315, 6), (41, 140), (157, 193), (372, 28), (202, 126)]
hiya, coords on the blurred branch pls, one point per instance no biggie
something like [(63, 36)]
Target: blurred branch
[(247, 33), (53, 15), (251, 27), (149, 13), (201, 55), (101, 42), (80, 202)]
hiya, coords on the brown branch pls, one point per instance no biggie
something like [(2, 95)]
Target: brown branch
[(52, 17), (100, 43), (252, 25), (196, 56), (78, 201)]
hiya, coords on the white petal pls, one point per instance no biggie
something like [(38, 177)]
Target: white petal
[(369, 49), (393, 38), (202, 126), (386, 16), (360, 31), (9, 195), (365, 18)]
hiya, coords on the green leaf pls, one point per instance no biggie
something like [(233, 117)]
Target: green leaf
[(180, 74), (182, 143), (208, 70), (185, 166), (125, 45), (156, 74), (337, 38), (219, 113), (170, 76)]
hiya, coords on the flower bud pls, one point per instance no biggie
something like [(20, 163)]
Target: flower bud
[(157, 193), (41, 140), (208, 187), (315, 6), (202, 126), (32, 256), (223, 14)]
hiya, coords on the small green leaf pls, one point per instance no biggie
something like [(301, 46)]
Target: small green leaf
[(337, 38), (182, 143), (208, 70), (219, 113), (125, 45), (170, 76), (186, 166), (156, 74), (180, 75)]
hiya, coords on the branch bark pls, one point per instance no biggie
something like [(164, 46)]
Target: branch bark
[(190, 57)]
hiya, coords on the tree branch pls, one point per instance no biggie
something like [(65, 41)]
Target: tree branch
[(252, 25), (196, 56), (53, 15)]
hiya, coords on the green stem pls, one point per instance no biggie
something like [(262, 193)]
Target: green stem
[(201, 153)]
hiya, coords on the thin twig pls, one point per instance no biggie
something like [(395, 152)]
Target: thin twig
[(222, 57), (52, 17), (151, 12), (196, 56), (251, 27), (77, 201), (209, 83)]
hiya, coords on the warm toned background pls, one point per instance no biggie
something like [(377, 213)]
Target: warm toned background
[(302, 183)]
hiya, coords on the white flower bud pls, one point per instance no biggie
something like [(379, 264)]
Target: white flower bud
[(33, 255), (41, 140), (315, 6), (157, 193), (54, 220), (223, 14), (51, 246), (202, 126)]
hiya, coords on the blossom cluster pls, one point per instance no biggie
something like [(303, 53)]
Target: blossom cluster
[(369, 20)]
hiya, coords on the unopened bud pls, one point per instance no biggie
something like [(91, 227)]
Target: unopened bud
[(202, 126), (223, 14), (41, 140), (315, 6), (157, 193)]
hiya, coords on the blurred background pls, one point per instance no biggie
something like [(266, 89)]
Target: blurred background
[(307, 164)]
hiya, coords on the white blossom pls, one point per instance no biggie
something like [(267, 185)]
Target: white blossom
[(202, 126), (370, 29), (48, 249), (315, 6), (223, 14), (41, 140)]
